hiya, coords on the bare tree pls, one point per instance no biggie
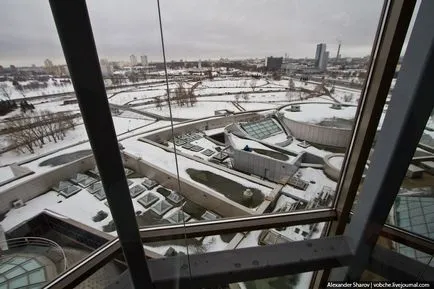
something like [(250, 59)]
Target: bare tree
[(5, 91), (181, 95), (28, 131), (348, 97), (291, 84), (191, 97), (253, 84), (158, 102)]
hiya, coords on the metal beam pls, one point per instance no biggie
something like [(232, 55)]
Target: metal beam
[(102, 255), (410, 239), (224, 267), (390, 36), (408, 112), (86, 267), (234, 225), (106, 253), (75, 33), (397, 267), (392, 28)]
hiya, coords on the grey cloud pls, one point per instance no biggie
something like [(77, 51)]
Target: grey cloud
[(194, 28)]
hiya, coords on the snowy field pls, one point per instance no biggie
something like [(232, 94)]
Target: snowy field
[(50, 89), (73, 136)]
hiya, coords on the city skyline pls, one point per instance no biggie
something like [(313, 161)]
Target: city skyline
[(195, 30)]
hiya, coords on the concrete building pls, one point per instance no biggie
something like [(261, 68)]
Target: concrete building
[(133, 60), (274, 63), (325, 125), (144, 60), (321, 56)]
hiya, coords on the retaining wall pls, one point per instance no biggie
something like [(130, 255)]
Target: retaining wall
[(327, 136), (204, 197), (41, 183)]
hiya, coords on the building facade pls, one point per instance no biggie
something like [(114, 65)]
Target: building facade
[(133, 60), (321, 56), (144, 60), (274, 63)]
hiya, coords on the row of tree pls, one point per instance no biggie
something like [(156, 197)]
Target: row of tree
[(7, 106), (28, 131), (181, 96)]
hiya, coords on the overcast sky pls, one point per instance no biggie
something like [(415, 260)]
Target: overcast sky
[(194, 29)]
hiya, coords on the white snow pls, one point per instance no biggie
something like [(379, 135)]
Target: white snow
[(278, 138), (337, 161), (166, 160), (308, 175), (6, 173), (240, 143), (50, 89), (32, 208), (316, 112), (214, 131)]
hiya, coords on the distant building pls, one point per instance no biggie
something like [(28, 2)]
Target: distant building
[(274, 63), (199, 64), (133, 60), (144, 60), (321, 56), (106, 68)]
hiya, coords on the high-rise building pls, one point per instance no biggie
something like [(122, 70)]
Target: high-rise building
[(133, 60), (144, 60), (321, 56)]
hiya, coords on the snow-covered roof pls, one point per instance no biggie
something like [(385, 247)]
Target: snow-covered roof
[(315, 113)]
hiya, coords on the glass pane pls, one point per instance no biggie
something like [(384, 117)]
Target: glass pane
[(18, 282), (52, 204), (413, 170), (14, 272), (413, 209), (232, 241), (104, 276), (290, 281), (247, 164), (37, 276)]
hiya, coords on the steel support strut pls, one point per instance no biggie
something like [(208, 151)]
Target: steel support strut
[(407, 115), (75, 33)]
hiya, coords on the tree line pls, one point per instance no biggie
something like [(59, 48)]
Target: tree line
[(181, 96), (28, 131)]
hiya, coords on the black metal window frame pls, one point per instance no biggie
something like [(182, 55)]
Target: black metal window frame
[(73, 25)]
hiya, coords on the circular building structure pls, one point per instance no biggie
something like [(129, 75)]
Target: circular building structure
[(333, 164), (323, 123)]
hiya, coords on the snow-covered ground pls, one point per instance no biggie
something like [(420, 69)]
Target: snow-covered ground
[(316, 179), (316, 112), (166, 160), (73, 136), (50, 89), (83, 206), (130, 125), (240, 143)]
